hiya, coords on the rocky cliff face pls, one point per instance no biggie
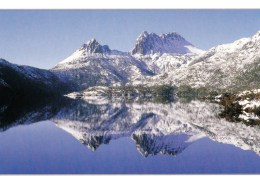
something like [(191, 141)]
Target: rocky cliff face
[(93, 46), (151, 43)]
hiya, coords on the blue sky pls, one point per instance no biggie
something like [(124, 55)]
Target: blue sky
[(42, 38)]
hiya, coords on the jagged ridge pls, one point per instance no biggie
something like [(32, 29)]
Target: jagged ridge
[(166, 43)]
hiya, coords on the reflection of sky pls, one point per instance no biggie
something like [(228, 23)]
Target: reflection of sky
[(44, 148)]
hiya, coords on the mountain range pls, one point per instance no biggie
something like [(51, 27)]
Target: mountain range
[(155, 59), (95, 64), (165, 59)]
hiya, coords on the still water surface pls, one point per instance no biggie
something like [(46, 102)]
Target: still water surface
[(128, 138)]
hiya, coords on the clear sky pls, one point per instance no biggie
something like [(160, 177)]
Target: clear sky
[(42, 38)]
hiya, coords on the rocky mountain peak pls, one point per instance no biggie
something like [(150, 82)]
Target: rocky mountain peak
[(93, 46), (149, 43), (173, 36), (256, 36)]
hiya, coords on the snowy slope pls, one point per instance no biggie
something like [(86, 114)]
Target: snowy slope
[(93, 64), (164, 63), (225, 66)]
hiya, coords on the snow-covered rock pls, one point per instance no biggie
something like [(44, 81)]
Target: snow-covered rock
[(250, 102)]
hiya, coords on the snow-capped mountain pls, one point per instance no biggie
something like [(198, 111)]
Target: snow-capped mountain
[(93, 46), (164, 53), (150, 43), (164, 59), (93, 64), (234, 65)]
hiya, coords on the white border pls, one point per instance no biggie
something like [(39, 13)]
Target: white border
[(129, 4)]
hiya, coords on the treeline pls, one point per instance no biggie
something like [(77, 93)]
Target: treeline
[(232, 109), (202, 92), (144, 91), (183, 91)]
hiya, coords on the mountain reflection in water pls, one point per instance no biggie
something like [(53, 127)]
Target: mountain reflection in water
[(155, 128)]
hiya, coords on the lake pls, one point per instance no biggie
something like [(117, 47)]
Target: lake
[(86, 137)]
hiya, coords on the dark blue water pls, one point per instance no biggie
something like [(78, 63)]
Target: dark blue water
[(44, 148)]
